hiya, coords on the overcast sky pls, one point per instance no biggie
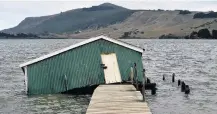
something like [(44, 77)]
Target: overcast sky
[(13, 12)]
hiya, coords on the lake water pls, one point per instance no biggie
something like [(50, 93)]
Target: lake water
[(193, 61)]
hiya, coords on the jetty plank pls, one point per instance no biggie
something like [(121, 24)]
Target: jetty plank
[(117, 99)]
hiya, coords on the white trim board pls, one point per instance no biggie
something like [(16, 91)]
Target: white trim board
[(80, 44)]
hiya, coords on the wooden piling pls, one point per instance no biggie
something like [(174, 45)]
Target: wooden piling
[(143, 85), (173, 77)]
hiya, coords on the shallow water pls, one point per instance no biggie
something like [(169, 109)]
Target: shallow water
[(193, 61)]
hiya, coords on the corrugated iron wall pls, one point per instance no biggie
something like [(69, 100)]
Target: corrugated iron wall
[(81, 67)]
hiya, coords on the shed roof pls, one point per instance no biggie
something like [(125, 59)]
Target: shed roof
[(83, 43)]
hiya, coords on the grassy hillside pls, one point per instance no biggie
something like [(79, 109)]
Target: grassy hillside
[(152, 24), (73, 20)]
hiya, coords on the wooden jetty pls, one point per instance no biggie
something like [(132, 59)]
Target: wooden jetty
[(117, 99)]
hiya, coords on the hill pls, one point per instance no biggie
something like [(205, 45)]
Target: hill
[(73, 20), (117, 22)]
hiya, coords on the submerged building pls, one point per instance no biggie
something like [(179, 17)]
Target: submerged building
[(98, 60)]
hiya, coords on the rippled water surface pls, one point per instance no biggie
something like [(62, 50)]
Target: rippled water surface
[(193, 61)]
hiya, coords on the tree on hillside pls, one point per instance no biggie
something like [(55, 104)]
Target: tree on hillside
[(22, 35), (184, 12), (204, 33), (160, 10), (98, 8), (18, 35), (2, 34), (126, 34)]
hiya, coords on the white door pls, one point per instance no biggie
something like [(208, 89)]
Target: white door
[(112, 73)]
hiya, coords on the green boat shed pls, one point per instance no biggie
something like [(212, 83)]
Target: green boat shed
[(98, 60)]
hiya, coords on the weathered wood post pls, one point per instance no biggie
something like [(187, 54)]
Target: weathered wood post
[(136, 78), (163, 77), (153, 91), (131, 75), (65, 82), (173, 77), (183, 87), (143, 85), (179, 82), (187, 89), (148, 81)]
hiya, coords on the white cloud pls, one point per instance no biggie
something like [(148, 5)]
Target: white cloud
[(13, 12)]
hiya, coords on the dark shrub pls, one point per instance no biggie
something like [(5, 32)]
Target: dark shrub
[(214, 34), (193, 35), (211, 14), (186, 37), (160, 10), (204, 33), (2, 34)]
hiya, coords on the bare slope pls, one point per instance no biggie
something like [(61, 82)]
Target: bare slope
[(152, 24)]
